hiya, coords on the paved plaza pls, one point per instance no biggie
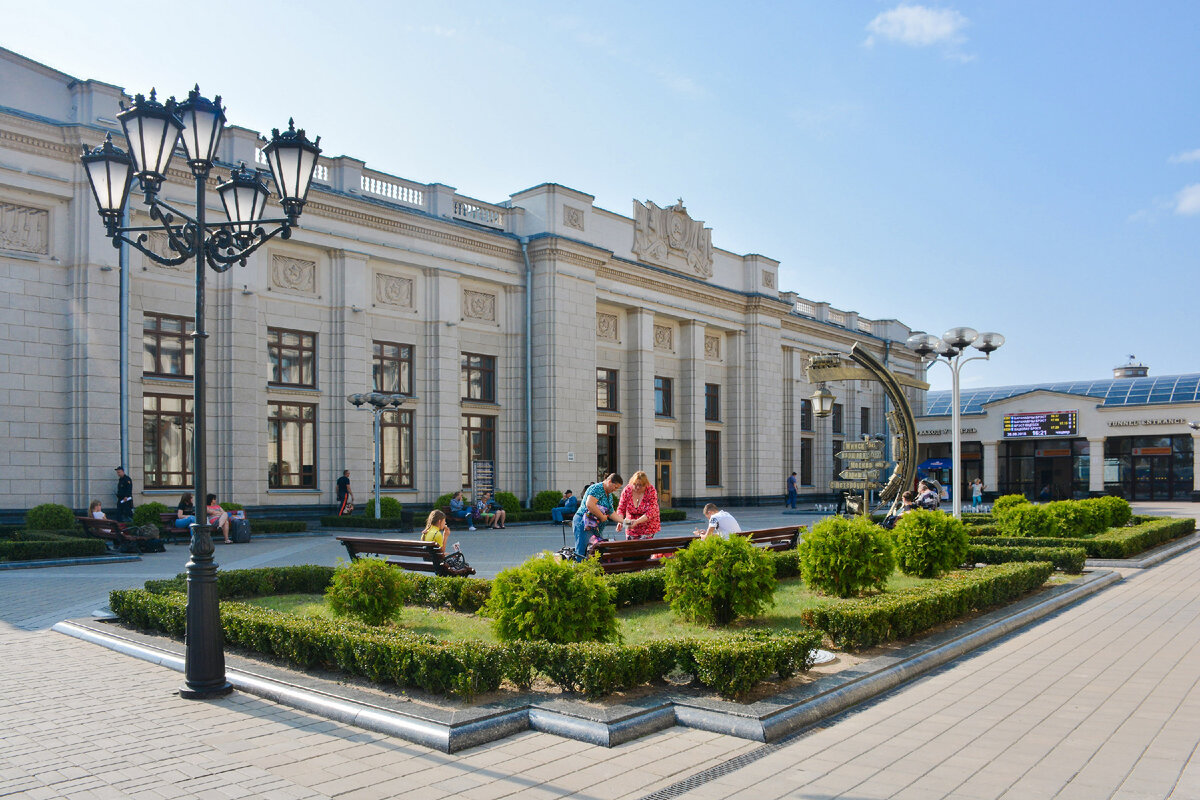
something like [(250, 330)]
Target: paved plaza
[(1098, 701)]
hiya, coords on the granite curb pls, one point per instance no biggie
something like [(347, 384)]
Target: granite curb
[(450, 729)]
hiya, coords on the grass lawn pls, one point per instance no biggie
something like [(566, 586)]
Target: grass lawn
[(638, 624)]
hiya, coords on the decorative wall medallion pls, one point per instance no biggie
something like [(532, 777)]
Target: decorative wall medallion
[(664, 337), (479, 305), (294, 274), (712, 348), (660, 233), (159, 244), (606, 327), (768, 279), (24, 229), (573, 217), (392, 290)]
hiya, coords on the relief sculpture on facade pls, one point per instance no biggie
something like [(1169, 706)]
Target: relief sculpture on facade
[(479, 305), (606, 327), (392, 290), (24, 229), (294, 274), (660, 233), (664, 337)]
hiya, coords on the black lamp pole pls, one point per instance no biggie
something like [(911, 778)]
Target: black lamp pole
[(152, 130)]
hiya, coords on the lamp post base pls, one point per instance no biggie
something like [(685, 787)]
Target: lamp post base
[(194, 693)]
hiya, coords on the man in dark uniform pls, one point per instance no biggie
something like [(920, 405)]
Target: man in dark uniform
[(124, 496), (345, 497)]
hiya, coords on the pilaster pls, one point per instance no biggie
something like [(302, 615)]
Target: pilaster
[(689, 472), (637, 439), (991, 466)]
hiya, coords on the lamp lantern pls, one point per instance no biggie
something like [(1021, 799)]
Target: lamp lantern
[(244, 196), (960, 338), (151, 129), (108, 170), (822, 400), (293, 159), (203, 120), (989, 342)]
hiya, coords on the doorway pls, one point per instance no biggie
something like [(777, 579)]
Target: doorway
[(662, 475)]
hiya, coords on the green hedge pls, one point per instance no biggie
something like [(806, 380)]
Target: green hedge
[(729, 666), (1068, 559), (41, 545), (357, 521), (277, 526), (1113, 543), (672, 515), (970, 518), (862, 623)]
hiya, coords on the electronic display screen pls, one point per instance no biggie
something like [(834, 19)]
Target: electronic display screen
[(1041, 423)]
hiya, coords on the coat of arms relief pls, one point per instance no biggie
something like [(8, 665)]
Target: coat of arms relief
[(669, 237)]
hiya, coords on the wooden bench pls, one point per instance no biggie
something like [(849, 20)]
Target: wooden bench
[(775, 538), (415, 555), (116, 533), (634, 555), (167, 524)]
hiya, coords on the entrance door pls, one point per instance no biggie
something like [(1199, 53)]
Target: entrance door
[(662, 476)]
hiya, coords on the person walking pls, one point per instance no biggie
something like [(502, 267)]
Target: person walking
[(124, 496), (976, 493), (345, 496), (639, 507), (595, 511), (791, 491)]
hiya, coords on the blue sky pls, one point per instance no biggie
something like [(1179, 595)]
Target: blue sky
[(1030, 168)]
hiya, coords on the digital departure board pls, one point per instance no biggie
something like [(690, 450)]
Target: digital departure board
[(1041, 423)]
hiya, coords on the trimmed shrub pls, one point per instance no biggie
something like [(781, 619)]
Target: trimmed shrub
[(368, 589), (1029, 520), (672, 515), (358, 521), (50, 517), (1068, 559), (866, 622), (545, 501), (1078, 517), (1119, 510), (1113, 543), (844, 557), (149, 514), (1002, 504), (509, 502), (929, 544), (444, 500), (228, 506), (277, 526), (389, 508), (42, 545), (554, 601), (970, 518), (716, 580)]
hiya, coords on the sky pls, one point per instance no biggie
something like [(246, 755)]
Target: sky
[(1024, 167)]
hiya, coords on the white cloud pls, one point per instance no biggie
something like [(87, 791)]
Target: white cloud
[(1187, 200), (918, 26), (1185, 158)]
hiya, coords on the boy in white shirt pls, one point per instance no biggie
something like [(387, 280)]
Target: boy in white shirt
[(720, 523)]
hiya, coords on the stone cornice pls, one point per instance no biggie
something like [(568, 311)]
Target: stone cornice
[(644, 279)]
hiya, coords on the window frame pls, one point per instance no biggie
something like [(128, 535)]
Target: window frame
[(806, 414), (275, 448), (404, 366), (186, 344), (712, 466), (609, 432), (837, 419), (712, 402), (152, 474), (486, 371), (276, 349), (400, 420), (663, 396), (486, 429), (611, 382)]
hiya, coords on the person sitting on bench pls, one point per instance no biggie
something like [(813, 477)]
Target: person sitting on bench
[(720, 523), (436, 531), (565, 508), (185, 512), (460, 509), (95, 512), (218, 517)]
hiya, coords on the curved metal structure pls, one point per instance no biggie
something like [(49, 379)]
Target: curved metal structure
[(902, 421)]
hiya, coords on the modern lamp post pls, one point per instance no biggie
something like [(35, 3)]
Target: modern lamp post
[(379, 403), (949, 350), (152, 131)]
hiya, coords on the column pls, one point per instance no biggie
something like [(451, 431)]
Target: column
[(346, 360), (637, 440), (763, 446), (1096, 466), (439, 417), (1196, 465), (689, 407), (991, 466)]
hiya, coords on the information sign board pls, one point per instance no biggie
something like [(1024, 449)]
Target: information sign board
[(1041, 423), (483, 478)]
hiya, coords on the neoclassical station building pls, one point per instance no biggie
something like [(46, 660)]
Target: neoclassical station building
[(542, 336)]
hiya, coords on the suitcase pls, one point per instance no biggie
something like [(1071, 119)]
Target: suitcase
[(239, 530)]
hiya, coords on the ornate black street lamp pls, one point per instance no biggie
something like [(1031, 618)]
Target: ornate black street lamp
[(152, 131)]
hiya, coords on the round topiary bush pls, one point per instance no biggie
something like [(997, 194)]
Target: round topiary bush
[(1119, 510), (844, 557), (1078, 518), (554, 601), (148, 514), (1001, 504), (50, 517), (389, 508), (545, 501), (929, 544), (508, 501), (367, 589), (1029, 520), (715, 580)]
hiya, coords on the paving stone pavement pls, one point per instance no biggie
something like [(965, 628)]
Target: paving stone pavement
[(1099, 701)]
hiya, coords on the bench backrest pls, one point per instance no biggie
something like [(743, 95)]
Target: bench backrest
[(785, 538), (637, 554), (420, 555), (104, 528)]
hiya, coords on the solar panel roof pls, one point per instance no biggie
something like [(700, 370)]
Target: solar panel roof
[(1110, 391)]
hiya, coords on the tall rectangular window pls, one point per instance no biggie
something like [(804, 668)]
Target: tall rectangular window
[(712, 402), (396, 448), (167, 441), (167, 346), (291, 446), (806, 416), (606, 449), (392, 367), (478, 377), (478, 443), (662, 397), (606, 390), (712, 458), (838, 423), (293, 357), (806, 462), (864, 420)]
